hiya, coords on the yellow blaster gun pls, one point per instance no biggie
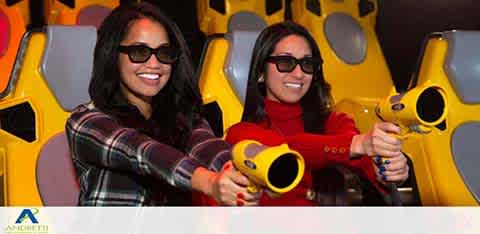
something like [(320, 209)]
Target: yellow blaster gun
[(418, 110), (277, 168), (415, 111)]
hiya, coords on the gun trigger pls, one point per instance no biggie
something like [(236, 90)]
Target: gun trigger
[(420, 129)]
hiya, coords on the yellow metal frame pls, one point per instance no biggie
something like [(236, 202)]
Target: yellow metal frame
[(211, 21), (371, 78), (19, 156), (214, 84)]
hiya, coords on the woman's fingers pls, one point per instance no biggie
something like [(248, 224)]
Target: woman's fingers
[(384, 150), (396, 176), (386, 133), (233, 188), (237, 177), (387, 153), (393, 169), (395, 163), (387, 127), (383, 142)]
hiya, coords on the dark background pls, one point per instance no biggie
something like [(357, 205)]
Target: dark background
[(401, 27)]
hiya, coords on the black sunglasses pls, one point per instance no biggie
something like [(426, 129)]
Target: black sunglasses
[(141, 53), (287, 63)]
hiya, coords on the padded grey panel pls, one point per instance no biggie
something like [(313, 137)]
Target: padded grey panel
[(467, 155), (346, 37), (240, 54), (462, 64), (245, 20), (56, 177), (67, 63), (93, 15)]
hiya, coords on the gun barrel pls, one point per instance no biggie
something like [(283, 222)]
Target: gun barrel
[(431, 105), (277, 168), (284, 170)]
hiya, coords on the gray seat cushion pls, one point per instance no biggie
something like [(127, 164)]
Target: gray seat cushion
[(67, 63), (56, 177), (244, 28), (346, 37), (462, 64), (465, 154), (93, 15)]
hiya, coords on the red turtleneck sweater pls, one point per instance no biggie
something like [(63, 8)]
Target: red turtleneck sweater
[(319, 151)]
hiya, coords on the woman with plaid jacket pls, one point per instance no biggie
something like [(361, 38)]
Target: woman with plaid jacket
[(142, 139)]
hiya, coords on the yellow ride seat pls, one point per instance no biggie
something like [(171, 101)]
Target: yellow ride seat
[(446, 161), (51, 78), (224, 69), (79, 12)]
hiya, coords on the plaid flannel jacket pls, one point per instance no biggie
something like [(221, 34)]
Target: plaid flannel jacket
[(120, 165)]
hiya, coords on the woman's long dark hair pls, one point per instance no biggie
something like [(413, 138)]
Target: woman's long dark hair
[(315, 103), (177, 106), (329, 183)]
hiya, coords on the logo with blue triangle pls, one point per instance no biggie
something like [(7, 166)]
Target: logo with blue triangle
[(27, 222), (27, 214)]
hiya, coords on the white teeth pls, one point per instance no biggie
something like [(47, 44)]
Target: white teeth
[(292, 85), (149, 76)]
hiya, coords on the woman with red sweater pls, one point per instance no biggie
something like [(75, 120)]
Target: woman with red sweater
[(288, 101)]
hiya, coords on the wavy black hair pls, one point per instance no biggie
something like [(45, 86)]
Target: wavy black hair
[(315, 103), (177, 106)]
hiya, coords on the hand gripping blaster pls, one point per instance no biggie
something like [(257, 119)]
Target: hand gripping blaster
[(277, 168), (418, 110)]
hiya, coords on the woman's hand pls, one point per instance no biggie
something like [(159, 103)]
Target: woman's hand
[(392, 170), (378, 142), (391, 163), (228, 187)]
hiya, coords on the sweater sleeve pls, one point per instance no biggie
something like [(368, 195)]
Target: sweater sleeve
[(208, 149), (97, 139), (243, 131), (334, 148)]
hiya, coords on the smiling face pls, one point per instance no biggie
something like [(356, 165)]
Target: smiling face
[(141, 81), (288, 87)]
